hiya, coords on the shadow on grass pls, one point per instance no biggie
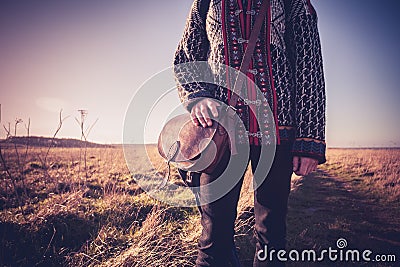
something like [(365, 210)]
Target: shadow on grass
[(22, 245), (324, 209), (59, 236)]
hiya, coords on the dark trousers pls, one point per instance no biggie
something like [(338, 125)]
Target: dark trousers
[(216, 243)]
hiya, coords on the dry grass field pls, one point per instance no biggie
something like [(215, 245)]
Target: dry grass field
[(63, 210)]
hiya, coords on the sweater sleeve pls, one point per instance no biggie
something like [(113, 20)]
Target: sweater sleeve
[(193, 47), (310, 85)]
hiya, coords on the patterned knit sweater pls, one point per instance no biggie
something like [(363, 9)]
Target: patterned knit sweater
[(286, 66)]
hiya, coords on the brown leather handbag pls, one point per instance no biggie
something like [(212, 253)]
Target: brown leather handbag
[(199, 149), (191, 147)]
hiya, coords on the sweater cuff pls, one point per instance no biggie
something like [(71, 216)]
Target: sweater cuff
[(311, 148), (194, 97)]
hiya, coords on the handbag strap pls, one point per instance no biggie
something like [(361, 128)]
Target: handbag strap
[(245, 64)]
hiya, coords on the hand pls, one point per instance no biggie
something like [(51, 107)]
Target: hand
[(200, 113), (304, 166)]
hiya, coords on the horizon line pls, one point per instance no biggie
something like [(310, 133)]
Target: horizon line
[(121, 143)]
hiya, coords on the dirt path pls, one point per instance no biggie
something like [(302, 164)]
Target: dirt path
[(324, 208)]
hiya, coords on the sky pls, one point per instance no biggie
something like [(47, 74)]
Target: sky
[(96, 54)]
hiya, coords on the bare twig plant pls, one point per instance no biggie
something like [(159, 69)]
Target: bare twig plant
[(14, 178), (81, 123), (16, 173), (8, 130), (24, 158), (84, 135), (17, 121), (61, 119), (20, 163), (44, 161)]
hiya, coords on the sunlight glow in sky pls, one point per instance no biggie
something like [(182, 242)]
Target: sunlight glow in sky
[(95, 54)]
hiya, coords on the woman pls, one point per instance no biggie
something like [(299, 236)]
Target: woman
[(287, 67)]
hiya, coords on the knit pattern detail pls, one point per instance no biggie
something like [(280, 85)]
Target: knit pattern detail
[(310, 148)]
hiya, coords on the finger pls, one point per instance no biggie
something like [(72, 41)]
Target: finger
[(200, 118), (315, 165), (216, 103), (310, 167), (295, 163), (312, 164), (193, 118), (306, 166), (213, 108), (303, 166), (206, 115)]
